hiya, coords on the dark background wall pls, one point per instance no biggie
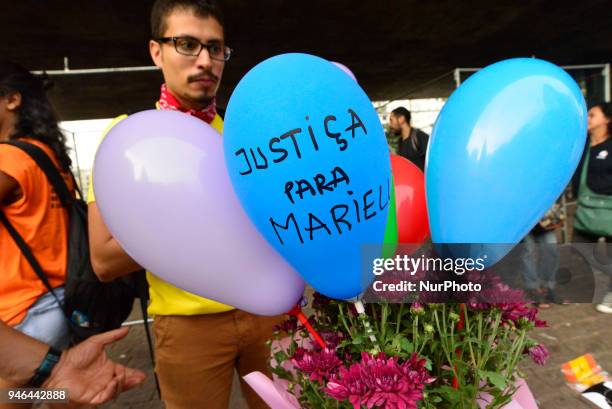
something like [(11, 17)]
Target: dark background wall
[(395, 48)]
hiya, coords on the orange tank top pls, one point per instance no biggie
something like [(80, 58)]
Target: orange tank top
[(41, 220)]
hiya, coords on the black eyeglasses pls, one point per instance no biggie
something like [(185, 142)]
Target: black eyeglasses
[(193, 47)]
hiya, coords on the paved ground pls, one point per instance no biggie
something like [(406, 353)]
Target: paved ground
[(573, 330)]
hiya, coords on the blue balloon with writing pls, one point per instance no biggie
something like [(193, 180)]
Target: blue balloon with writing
[(308, 158)]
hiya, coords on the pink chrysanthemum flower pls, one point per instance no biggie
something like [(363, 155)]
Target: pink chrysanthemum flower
[(318, 365), (348, 385), (380, 382), (288, 326), (539, 354)]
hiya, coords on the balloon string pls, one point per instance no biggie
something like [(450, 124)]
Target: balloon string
[(366, 323), (297, 312)]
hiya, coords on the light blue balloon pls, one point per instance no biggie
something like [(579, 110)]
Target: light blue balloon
[(308, 158), (502, 150)]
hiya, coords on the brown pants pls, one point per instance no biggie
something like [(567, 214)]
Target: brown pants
[(196, 357)]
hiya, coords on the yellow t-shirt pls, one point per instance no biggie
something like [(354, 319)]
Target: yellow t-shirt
[(166, 299)]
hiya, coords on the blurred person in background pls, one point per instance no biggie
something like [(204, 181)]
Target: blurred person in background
[(592, 185), (541, 259), (412, 142)]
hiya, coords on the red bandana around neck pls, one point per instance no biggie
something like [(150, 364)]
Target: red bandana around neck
[(168, 101)]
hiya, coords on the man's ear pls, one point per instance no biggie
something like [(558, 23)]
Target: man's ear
[(156, 54)]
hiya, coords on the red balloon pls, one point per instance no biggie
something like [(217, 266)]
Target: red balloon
[(411, 209)]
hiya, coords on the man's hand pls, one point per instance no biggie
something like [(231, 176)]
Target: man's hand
[(89, 375)]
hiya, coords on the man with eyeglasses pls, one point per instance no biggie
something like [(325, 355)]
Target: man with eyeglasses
[(198, 342)]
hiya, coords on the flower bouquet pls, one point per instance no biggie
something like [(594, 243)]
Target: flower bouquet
[(408, 355)]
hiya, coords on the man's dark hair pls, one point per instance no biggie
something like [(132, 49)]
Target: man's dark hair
[(401, 111), (162, 9)]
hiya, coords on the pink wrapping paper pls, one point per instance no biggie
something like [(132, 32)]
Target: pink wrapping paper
[(275, 394)]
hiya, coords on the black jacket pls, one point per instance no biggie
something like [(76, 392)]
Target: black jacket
[(414, 147), (599, 172)]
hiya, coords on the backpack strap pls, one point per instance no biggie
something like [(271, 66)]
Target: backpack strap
[(46, 165), (42, 160), (142, 290), (584, 170), (27, 253)]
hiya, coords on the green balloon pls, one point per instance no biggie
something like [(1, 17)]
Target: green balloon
[(391, 232)]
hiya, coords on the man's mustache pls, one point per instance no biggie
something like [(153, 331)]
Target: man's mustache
[(203, 75)]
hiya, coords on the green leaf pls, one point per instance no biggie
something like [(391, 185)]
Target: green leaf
[(282, 373), (395, 344), (473, 340), (280, 356), (345, 343), (502, 400), (358, 339), (498, 380), (406, 345), (436, 399), (428, 364), (292, 347), (451, 394)]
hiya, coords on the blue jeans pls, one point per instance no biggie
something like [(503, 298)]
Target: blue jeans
[(605, 267), (45, 321), (540, 260)]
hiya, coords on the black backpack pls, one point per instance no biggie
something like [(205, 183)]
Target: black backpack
[(90, 306)]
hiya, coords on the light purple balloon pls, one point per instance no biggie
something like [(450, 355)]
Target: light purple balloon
[(164, 192), (345, 69)]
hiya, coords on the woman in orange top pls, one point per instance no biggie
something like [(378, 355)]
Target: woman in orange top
[(29, 203)]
